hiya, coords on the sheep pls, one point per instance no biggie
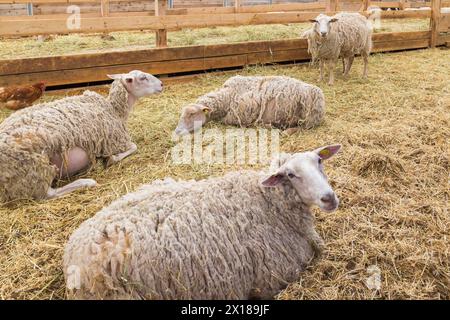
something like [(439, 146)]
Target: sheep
[(342, 35), (277, 101), (243, 235), (59, 139)]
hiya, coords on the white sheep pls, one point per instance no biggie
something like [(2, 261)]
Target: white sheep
[(61, 138), (245, 234), (343, 35), (278, 101)]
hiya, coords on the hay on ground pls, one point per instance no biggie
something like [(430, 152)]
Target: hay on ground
[(391, 177)]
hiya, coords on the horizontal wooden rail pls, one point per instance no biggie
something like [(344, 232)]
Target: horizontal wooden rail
[(88, 24), (444, 23), (90, 68)]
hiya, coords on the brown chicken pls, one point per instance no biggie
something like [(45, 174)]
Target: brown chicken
[(18, 97)]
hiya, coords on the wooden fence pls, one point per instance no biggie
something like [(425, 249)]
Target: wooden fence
[(91, 68), (163, 19)]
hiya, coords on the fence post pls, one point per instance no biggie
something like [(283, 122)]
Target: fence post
[(331, 5), (161, 34), (434, 22), (237, 6), (104, 9), (366, 4)]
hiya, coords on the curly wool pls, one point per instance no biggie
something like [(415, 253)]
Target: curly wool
[(278, 101), (30, 137), (220, 238), (348, 36)]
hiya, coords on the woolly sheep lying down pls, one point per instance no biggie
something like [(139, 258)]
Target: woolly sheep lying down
[(62, 138), (342, 35), (244, 235), (277, 101)]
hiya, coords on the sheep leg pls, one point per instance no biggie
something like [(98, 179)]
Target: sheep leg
[(78, 184), (366, 62), (349, 65), (343, 65), (120, 156), (321, 65), (331, 67)]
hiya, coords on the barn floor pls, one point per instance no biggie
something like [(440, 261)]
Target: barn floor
[(79, 43), (391, 177)]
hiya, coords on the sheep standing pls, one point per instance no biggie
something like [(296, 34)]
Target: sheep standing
[(246, 234), (61, 138), (343, 35), (277, 101)]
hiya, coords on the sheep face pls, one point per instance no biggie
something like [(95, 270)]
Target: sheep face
[(322, 24), (193, 116), (139, 84), (304, 171)]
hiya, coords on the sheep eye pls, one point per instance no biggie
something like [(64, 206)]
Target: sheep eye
[(320, 160), (291, 175)]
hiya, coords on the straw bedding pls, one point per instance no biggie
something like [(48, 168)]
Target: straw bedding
[(391, 177)]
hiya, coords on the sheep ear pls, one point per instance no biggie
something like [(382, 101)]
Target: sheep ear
[(313, 20), (334, 19), (129, 79), (273, 180), (114, 76), (328, 151), (206, 110)]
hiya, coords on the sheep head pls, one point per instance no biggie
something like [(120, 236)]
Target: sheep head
[(193, 116), (322, 24), (304, 171), (139, 84)]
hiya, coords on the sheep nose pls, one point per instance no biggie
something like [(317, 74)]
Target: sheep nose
[(329, 199), (323, 34)]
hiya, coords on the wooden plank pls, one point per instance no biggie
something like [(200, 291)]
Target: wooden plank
[(444, 23), (16, 66), (95, 74), (443, 39), (400, 45), (434, 22), (169, 22), (402, 14), (400, 36)]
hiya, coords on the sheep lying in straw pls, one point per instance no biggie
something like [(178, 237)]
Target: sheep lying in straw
[(246, 234), (343, 35), (277, 101), (61, 138)]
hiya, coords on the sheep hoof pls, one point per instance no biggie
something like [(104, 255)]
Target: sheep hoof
[(88, 183)]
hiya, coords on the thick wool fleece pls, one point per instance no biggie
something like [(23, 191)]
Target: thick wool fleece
[(220, 238), (279, 101), (30, 137), (348, 36)]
